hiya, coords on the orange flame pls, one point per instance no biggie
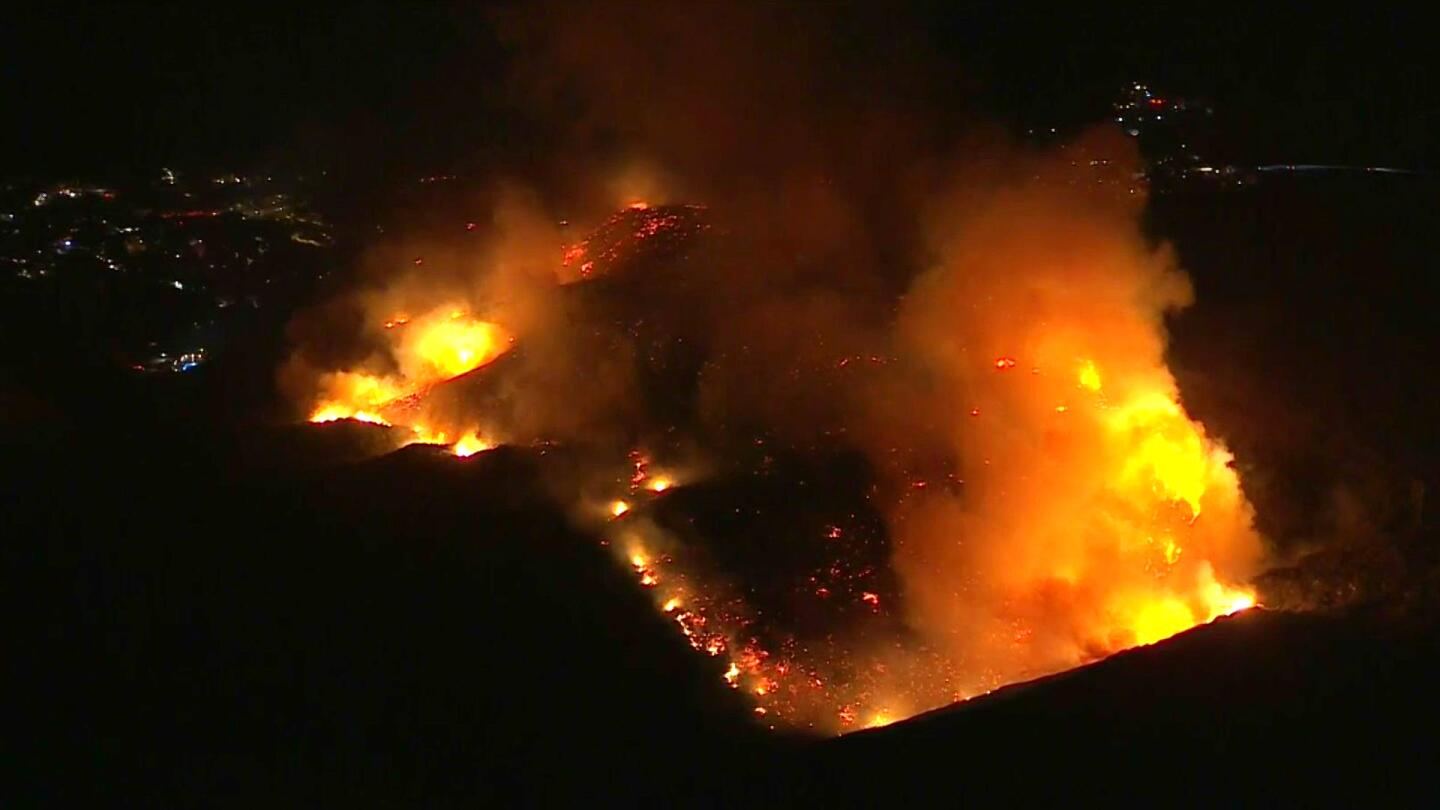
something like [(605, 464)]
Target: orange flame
[(470, 444), (437, 346)]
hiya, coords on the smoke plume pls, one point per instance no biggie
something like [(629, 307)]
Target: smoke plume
[(984, 321)]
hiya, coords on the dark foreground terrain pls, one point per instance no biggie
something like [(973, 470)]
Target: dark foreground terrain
[(209, 612), (419, 629), (1261, 708)]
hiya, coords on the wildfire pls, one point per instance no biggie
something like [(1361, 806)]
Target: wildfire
[(1098, 514), (1237, 601), (1163, 472), (1124, 541), (440, 345), (358, 396), (1168, 452), (470, 444), (1155, 618), (427, 435), (879, 718), (636, 227), (785, 683), (332, 412), (441, 348), (1167, 459)]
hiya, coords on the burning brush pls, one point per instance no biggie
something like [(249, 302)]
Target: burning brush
[(1033, 494), (440, 346)]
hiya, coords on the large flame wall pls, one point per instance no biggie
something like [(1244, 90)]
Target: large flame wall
[(1094, 514)]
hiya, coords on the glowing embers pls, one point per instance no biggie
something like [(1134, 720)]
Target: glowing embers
[(642, 484), (695, 622), (644, 479), (791, 683), (628, 234), (641, 563)]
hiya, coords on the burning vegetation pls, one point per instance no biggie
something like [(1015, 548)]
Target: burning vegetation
[(443, 344), (1094, 513), (1074, 510), (955, 378), (637, 229)]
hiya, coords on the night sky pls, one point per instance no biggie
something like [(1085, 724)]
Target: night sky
[(100, 88)]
